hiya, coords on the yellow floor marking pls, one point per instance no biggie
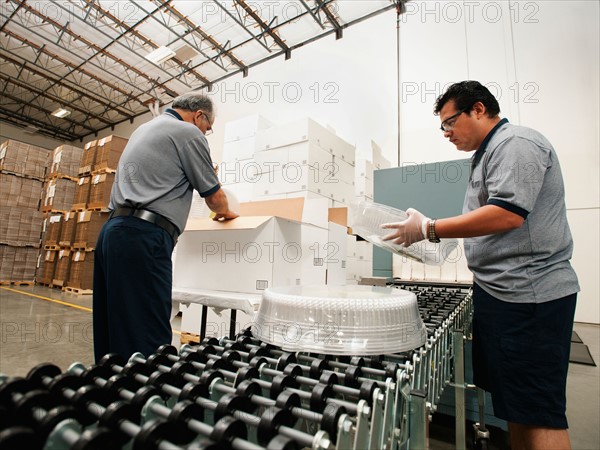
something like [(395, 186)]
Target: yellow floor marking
[(58, 301)]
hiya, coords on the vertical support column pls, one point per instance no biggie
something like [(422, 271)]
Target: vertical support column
[(459, 388), (418, 420)]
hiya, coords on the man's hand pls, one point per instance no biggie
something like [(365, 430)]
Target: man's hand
[(409, 231), (227, 216)]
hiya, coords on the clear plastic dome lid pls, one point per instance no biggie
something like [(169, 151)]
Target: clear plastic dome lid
[(367, 220), (340, 320)]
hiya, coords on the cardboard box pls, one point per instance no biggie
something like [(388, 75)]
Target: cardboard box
[(87, 230), (67, 232), (109, 152), (339, 216), (363, 187), (30, 193), (313, 211), (305, 153), (45, 272), (23, 159), (241, 171), (248, 254), (252, 252), (292, 178), (239, 149), (364, 169), (100, 188), (291, 133), (66, 160), (82, 193), (81, 272), (58, 195), (63, 264), (245, 128), (335, 254), (88, 159), (7, 259), (29, 228), (25, 264)]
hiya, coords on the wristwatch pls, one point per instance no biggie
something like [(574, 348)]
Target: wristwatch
[(431, 235)]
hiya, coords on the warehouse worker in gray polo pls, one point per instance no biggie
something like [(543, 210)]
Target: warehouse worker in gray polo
[(164, 161), (518, 246)]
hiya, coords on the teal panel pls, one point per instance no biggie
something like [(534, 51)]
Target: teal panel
[(435, 189)]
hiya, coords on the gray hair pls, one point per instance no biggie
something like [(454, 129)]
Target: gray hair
[(194, 101)]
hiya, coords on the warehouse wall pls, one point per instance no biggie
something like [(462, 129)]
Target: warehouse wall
[(11, 132), (540, 58)]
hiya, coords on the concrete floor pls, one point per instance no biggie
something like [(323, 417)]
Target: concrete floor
[(40, 324)]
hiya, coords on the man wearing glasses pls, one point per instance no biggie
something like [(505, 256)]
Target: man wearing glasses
[(518, 246), (164, 161)]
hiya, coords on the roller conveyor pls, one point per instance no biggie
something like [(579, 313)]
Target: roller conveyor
[(242, 393)]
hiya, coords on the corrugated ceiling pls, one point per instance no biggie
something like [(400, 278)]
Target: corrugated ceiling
[(89, 56)]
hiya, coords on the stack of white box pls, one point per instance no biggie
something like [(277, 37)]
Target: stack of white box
[(304, 159), (360, 253), (298, 159), (239, 171)]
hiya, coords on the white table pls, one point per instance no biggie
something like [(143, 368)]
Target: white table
[(218, 301)]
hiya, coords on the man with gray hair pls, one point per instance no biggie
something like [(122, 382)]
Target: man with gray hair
[(163, 162)]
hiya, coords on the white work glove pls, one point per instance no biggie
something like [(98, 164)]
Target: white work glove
[(409, 231)]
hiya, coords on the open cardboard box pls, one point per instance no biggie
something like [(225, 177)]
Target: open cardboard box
[(272, 243)]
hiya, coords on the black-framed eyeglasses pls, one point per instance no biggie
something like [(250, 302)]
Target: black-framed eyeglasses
[(209, 130), (448, 124)]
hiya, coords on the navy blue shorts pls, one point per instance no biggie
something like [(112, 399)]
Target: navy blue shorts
[(521, 356)]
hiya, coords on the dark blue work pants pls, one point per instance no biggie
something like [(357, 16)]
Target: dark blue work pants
[(132, 288)]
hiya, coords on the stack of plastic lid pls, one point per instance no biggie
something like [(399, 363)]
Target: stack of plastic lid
[(340, 320), (367, 220)]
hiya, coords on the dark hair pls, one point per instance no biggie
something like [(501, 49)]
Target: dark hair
[(465, 94)]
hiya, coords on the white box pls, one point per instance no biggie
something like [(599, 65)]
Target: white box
[(243, 191), (364, 250), (247, 254), (335, 254), (379, 162), (351, 247), (245, 127), (341, 170), (356, 269), (364, 169), (302, 153), (291, 133), (363, 187), (338, 190), (310, 196), (237, 150), (341, 149), (241, 171), (292, 178)]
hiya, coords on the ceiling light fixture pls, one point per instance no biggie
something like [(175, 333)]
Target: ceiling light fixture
[(61, 112), (160, 55)]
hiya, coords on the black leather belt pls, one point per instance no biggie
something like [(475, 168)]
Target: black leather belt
[(148, 216)]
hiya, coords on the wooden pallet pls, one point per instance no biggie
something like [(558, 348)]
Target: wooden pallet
[(52, 247), (85, 170), (42, 283), (189, 338), (78, 291), (79, 207), (102, 207), (16, 283)]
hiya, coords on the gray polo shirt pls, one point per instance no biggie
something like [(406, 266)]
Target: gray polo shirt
[(164, 160), (516, 168)]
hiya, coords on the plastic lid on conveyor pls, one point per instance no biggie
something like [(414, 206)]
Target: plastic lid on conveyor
[(340, 320)]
